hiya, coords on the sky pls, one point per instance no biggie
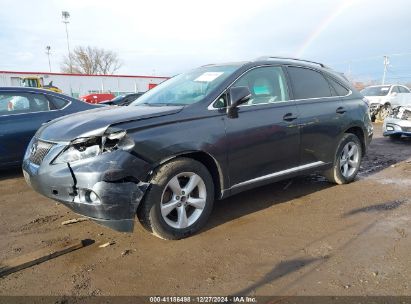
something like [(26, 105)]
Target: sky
[(164, 37)]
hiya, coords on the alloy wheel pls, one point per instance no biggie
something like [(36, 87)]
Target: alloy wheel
[(349, 159), (183, 200)]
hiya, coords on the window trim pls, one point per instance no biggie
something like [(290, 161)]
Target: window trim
[(44, 94), (212, 108), (211, 105)]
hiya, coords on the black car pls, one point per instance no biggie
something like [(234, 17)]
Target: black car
[(203, 135), (22, 112), (122, 100)]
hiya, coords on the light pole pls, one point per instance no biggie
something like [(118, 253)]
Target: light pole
[(386, 63), (48, 55), (65, 16)]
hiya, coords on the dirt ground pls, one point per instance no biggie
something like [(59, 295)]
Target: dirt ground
[(297, 237)]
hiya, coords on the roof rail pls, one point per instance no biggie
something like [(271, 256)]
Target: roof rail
[(290, 58)]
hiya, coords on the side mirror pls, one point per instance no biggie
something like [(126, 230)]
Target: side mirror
[(238, 96), (393, 93)]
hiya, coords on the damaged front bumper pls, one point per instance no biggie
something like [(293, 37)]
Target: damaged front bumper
[(398, 123), (107, 188)]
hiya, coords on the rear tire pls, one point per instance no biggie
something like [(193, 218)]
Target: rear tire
[(347, 160), (179, 199)]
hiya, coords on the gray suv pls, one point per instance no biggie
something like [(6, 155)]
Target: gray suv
[(198, 137)]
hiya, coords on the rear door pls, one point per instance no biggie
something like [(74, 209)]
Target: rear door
[(320, 113), (21, 114), (264, 138)]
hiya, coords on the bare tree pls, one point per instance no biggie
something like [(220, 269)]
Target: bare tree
[(91, 60)]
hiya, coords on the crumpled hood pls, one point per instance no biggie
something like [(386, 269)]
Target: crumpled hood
[(96, 121)]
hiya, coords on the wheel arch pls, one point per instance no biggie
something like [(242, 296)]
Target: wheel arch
[(208, 161), (359, 132)]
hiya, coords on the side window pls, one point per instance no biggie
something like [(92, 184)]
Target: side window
[(404, 90), (14, 103), (58, 102), (18, 103), (266, 84), (308, 83), (339, 89), (39, 103), (221, 102)]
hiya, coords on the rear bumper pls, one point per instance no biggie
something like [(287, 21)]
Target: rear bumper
[(105, 188)]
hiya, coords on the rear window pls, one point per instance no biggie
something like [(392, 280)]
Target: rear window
[(339, 89), (59, 103), (308, 83)]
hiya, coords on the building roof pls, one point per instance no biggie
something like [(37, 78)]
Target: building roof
[(68, 74)]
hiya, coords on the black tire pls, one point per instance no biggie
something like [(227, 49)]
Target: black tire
[(395, 136), (334, 174), (149, 212)]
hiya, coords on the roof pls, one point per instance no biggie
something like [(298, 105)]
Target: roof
[(86, 75), (31, 90)]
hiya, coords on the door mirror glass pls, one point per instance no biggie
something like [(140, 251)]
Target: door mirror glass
[(239, 95)]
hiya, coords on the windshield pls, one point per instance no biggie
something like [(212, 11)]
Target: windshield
[(187, 88), (376, 91)]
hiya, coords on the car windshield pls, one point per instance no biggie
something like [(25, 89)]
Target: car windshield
[(187, 88), (376, 91)]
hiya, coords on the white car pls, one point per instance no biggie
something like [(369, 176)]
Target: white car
[(383, 98), (398, 123)]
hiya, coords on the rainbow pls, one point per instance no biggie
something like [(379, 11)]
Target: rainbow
[(344, 4)]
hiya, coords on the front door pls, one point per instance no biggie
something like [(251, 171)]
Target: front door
[(264, 138)]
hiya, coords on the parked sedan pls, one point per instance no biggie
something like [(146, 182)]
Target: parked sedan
[(23, 111), (122, 100)]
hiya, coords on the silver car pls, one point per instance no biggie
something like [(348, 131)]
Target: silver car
[(398, 123)]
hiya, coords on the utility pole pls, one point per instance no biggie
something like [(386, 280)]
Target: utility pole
[(386, 63), (48, 55), (65, 16)]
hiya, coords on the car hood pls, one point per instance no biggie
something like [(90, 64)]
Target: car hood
[(376, 99), (95, 122)]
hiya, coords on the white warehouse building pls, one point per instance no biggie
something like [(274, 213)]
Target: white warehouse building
[(82, 84)]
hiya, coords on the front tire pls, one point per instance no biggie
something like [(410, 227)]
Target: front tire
[(179, 200), (347, 160)]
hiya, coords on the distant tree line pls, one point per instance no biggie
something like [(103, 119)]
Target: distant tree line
[(91, 60)]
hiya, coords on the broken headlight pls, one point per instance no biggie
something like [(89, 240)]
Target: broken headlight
[(86, 147)]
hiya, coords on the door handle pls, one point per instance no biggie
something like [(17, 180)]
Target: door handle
[(289, 117), (340, 110)]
